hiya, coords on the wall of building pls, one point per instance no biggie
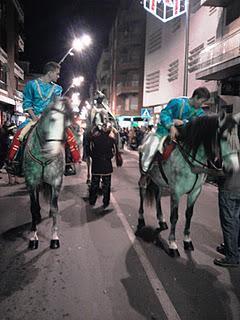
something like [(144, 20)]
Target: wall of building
[(164, 53)]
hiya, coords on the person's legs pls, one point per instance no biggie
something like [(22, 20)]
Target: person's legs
[(106, 185), (93, 191), (229, 209)]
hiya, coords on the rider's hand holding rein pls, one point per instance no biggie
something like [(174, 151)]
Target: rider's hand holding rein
[(32, 115)]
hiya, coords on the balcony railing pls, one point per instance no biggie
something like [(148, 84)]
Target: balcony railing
[(128, 87), (222, 51), (3, 85)]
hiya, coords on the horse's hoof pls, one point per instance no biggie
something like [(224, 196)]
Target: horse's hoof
[(188, 245), (174, 253), (162, 226), (33, 244), (54, 244)]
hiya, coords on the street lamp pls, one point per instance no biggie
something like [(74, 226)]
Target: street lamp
[(75, 101), (76, 82), (78, 44)]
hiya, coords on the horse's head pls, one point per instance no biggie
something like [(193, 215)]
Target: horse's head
[(228, 141), (52, 125), (216, 135)]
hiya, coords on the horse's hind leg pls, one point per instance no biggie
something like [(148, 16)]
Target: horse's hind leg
[(161, 219), (173, 249), (192, 197), (36, 218), (54, 213), (141, 221)]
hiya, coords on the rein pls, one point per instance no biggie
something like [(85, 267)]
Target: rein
[(203, 168)]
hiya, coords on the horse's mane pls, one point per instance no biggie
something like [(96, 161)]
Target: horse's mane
[(69, 115), (200, 131)]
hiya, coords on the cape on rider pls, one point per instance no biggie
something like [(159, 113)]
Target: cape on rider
[(37, 95), (177, 112)]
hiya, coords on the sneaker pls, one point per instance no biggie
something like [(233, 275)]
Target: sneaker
[(223, 262), (105, 205)]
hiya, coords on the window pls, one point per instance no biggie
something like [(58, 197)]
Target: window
[(152, 81), (154, 41), (3, 76), (173, 70), (3, 24)]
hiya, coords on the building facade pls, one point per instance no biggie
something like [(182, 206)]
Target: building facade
[(126, 47), (103, 73), (220, 61), (11, 44), (165, 57)]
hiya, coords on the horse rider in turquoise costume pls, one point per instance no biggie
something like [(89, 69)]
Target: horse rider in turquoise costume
[(177, 112), (37, 96)]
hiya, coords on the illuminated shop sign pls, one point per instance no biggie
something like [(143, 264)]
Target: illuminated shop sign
[(165, 10)]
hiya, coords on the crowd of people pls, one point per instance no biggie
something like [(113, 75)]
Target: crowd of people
[(134, 136)]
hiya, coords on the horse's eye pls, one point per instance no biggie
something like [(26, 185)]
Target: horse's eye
[(52, 120)]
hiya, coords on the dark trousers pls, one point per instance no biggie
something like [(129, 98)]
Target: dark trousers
[(106, 189), (229, 209)]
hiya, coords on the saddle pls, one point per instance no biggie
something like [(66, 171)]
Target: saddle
[(166, 147)]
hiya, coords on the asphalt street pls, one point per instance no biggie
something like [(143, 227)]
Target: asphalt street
[(101, 270)]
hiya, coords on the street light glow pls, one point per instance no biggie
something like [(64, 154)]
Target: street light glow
[(78, 44), (76, 82), (86, 39)]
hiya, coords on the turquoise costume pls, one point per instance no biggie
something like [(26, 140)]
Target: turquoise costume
[(178, 108), (37, 95)]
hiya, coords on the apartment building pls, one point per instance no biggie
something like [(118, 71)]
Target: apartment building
[(165, 55), (126, 47), (220, 61), (103, 73), (11, 44)]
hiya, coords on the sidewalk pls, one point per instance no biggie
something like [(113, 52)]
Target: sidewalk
[(13, 198)]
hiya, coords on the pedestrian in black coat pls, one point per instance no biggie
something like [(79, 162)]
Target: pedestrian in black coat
[(102, 149)]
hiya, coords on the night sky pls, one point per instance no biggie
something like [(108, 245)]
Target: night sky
[(51, 25)]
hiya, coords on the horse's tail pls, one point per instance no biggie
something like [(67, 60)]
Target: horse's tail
[(150, 193), (46, 190)]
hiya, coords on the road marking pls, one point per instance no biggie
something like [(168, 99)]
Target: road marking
[(156, 284)]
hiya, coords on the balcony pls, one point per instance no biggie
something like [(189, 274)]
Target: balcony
[(129, 64), (18, 71), (220, 60), (215, 3), (127, 87)]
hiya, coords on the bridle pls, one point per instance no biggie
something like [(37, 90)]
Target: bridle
[(207, 168), (29, 152)]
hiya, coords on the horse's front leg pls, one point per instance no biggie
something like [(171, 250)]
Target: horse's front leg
[(36, 218), (141, 221), (192, 197), (173, 249), (54, 213)]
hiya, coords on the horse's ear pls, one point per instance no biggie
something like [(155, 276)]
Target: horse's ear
[(221, 118)]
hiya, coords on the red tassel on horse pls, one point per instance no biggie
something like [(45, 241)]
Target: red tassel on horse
[(14, 146), (73, 146)]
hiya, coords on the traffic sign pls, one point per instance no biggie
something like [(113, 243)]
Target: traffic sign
[(146, 113)]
